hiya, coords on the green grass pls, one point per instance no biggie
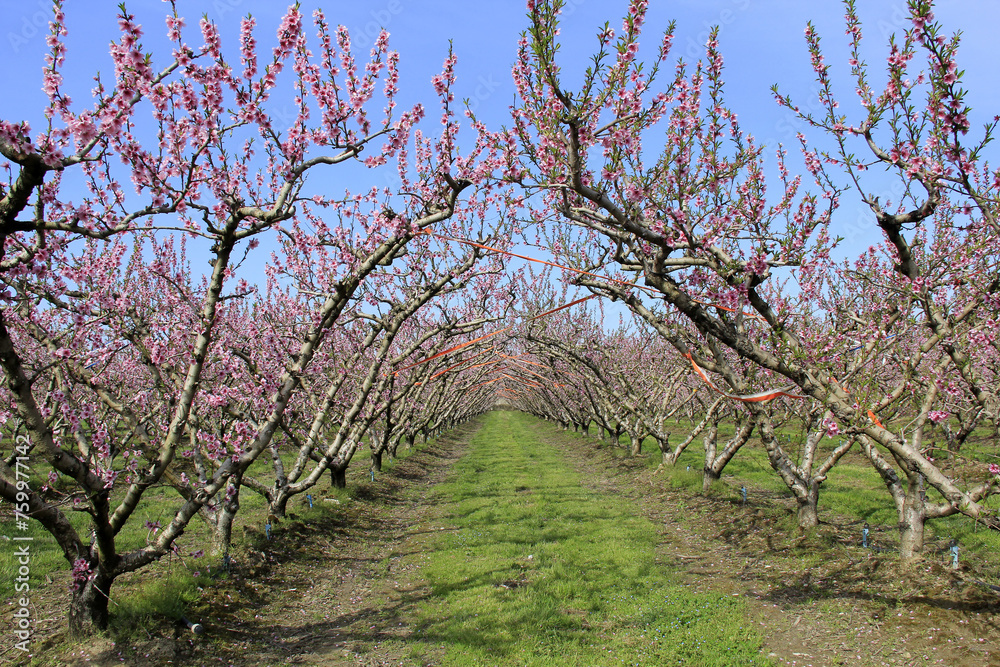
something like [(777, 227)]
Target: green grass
[(158, 505), (541, 571), (853, 491), (166, 588), (154, 599)]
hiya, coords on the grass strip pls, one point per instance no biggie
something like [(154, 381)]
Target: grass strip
[(539, 570)]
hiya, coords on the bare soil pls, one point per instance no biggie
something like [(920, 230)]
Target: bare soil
[(326, 592), (341, 591)]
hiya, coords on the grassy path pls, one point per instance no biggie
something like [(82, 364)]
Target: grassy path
[(539, 570), (509, 542), (487, 547)]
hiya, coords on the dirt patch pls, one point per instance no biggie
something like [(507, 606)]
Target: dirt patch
[(328, 592), (819, 599)]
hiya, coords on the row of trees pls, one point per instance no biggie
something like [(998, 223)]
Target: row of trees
[(127, 367), (631, 382), (747, 284)]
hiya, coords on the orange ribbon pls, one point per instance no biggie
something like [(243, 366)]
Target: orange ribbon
[(490, 335), (540, 261), (761, 397)]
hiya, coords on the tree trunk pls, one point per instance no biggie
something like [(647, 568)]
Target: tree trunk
[(708, 479), (377, 461), (410, 437), (665, 452), (338, 476), (808, 507), (222, 534), (636, 444), (88, 607), (910, 503), (585, 429), (711, 441), (912, 519)]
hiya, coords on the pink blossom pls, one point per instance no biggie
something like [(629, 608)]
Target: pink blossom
[(937, 416), (81, 573)]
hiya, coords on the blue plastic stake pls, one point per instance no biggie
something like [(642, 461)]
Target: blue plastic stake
[(689, 468), (373, 474), (954, 554), (744, 490), (267, 530), (309, 497), (864, 536)]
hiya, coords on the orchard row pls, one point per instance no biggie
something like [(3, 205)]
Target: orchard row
[(391, 312)]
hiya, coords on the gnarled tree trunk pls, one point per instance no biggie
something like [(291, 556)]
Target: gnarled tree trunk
[(715, 460), (635, 446), (338, 475), (912, 518), (711, 442), (222, 532), (88, 607)]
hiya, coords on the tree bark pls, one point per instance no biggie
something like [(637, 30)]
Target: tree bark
[(222, 535), (338, 476), (709, 478), (912, 519), (636, 444), (666, 454), (88, 607), (911, 506), (710, 475), (808, 507)]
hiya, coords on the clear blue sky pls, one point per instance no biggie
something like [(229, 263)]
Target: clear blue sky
[(762, 41)]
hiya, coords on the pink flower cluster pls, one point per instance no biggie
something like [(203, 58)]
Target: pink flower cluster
[(81, 574), (937, 416)]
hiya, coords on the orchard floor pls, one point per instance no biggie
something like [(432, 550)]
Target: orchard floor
[(353, 589)]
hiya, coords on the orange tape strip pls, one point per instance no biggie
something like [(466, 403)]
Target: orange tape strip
[(518, 360), (522, 361), (523, 381), (541, 261), (762, 397), (650, 290), (490, 335), (463, 361), (480, 384), (453, 348), (538, 375), (871, 415)]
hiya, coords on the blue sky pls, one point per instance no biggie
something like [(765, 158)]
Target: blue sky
[(762, 41)]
